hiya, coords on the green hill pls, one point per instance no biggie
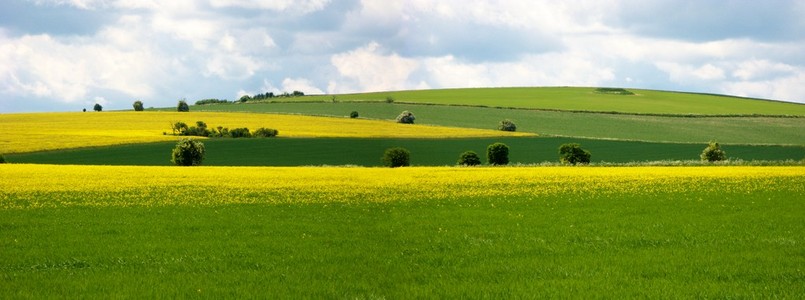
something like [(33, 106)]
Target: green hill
[(580, 98)]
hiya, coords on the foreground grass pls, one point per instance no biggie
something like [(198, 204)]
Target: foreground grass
[(678, 129), (49, 131), (712, 232), (367, 152)]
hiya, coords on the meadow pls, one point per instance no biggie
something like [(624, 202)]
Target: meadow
[(210, 232), (424, 152)]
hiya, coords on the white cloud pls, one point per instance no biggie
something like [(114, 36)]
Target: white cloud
[(300, 84), (276, 5), (371, 70)]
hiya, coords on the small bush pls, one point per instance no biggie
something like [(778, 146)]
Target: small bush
[(179, 128), (240, 133), (182, 106), (97, 107), (573, 154), (396, 157), (469, 158), (713, 153), (389, 99), (138, 105), (497, 154), (353, 114), (188, 152), (507, 125), (265, 132), (406, 117)]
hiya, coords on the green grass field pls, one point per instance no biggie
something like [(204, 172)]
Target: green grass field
[(661, 237), (580, 98), (367, 152), (736, 130)]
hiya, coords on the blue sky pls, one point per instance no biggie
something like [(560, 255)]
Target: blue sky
[(65, 55)]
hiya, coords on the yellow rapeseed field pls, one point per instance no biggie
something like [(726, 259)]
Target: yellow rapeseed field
[(49, 131), (27, 186)]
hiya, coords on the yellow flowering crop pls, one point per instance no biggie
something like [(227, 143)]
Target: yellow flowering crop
[(49, 131), (26, 186)]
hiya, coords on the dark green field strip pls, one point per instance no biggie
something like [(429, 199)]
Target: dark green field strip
[(709, 242), (735, 130), (367, 152), (581, 98)]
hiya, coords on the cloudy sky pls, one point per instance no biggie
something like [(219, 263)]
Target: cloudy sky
[(65, 55)]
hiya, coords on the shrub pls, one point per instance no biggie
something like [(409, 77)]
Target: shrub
[(397, 157), (389, 99), (188, 152), (240, 133), (353, 114), (2, 159), (713, 153), (179, 127), (97, 107), (182, 106), (573, 154), (507, 125), (497, 154), (138, 105), (469, 158), (265, 132), (406, 117)]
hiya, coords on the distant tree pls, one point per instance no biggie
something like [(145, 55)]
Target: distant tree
[(245, 98), (396, 157), (98, 107), (2, 159), (507, 125), (497, 154), (353, 114), (573, 154), (84, 110), (182, 106), (389, 99), (188, 152), (469, 158), (713, 153), (298, 93), (138, 105), (179, 127), (406, 117), (265, 132), (240, 133)]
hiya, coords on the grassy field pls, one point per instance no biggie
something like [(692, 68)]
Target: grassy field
[(581, 98), (153, 232), (736, 130), (367, 152), (48, 131)]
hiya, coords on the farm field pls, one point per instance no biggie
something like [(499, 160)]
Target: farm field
[(581, 98), (50, 131), (212, 232), (676, 129), (367, 151)]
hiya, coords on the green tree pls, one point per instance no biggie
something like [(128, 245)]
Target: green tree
[(353, 114), (265, 132), (188, 152), (573, 154), (497, 154), (396, 157), (182, 106), (406, 117), (507, 125), (469, 158), (179, 127), (713, 153), (98, 107), (2, 159), (138, 105)]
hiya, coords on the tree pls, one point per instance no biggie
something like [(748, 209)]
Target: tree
[(573, 154), (245, 98), (179, 127), (353, 114), (2, 159), (469, 158), (182, 106), (396, 157), (298, 93), (507, 125), (188, 152), (497, 154), (406, 117), (713, 153), (138, 105), (265, 132), (240, 133), (98, 107)]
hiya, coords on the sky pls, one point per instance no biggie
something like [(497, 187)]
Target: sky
[(66, 55)]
